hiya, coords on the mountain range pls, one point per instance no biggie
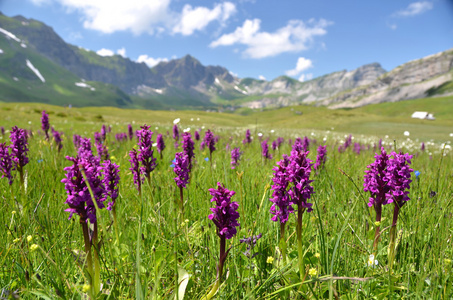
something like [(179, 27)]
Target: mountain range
[(36, 65)]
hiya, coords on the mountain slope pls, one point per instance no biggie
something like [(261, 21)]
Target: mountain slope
[(27, 76)]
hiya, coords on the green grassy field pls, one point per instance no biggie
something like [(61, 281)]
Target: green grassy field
[(153, 251), (386, 119)]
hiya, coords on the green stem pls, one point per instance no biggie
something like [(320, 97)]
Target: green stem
[(377, 234), (97, 265), (222, 258), (300, 212), (138, 283), (86, 239), (392, 247), (181, 202), (282, 242), (175, 249), (392, 237)]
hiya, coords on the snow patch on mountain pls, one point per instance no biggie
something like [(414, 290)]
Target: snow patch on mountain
[(84, 85), (36, 71), (9, 35)]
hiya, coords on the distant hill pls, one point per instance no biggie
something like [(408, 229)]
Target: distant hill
[(36, 65)]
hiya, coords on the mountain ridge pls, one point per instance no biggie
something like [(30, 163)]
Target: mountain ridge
[(185, 82)]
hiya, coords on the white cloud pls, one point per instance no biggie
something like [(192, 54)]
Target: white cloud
[(302, 65), (304, 77), (40, 2), (144, 16), (261, 77), (108, 16), (415, 8), (121, 52), (294, 37), (150, 61), (105, 52), (198, 18)]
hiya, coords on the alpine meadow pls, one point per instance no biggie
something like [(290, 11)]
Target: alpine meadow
[(194, 205)]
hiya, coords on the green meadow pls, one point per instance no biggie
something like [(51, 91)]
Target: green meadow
[(154, 250)]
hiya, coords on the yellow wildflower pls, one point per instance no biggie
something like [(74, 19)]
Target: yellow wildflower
[(86, 288), (29, 238), (313, 272), (270, 260), (33, 247)]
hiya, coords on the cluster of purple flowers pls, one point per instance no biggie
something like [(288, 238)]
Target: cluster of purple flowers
[(57, 138), (235, 157), (84, 149), (135, 168), (321, 157), (19, 147), (121, 137), (306, 143), (375, 181), (274, 145), (265, 150), (160, 144), (224, 214), (6, 163), (399, 178), (79, 198), (293, 172), (176, 132), (181, 169), (110, 181), (76, 140), (130, 131), (248, 138), (280, 197), (299, 170), (145, 145), (188, 147), (280, 141), (197, 135), (208, 141), (388, 179), (45, 123), (357, 148), (103, 133), (101, 148), (346, 144)]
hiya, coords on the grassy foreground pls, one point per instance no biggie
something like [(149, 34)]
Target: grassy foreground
[(177, 255)]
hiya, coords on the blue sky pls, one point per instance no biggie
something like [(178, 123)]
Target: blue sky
[(252, 38)]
